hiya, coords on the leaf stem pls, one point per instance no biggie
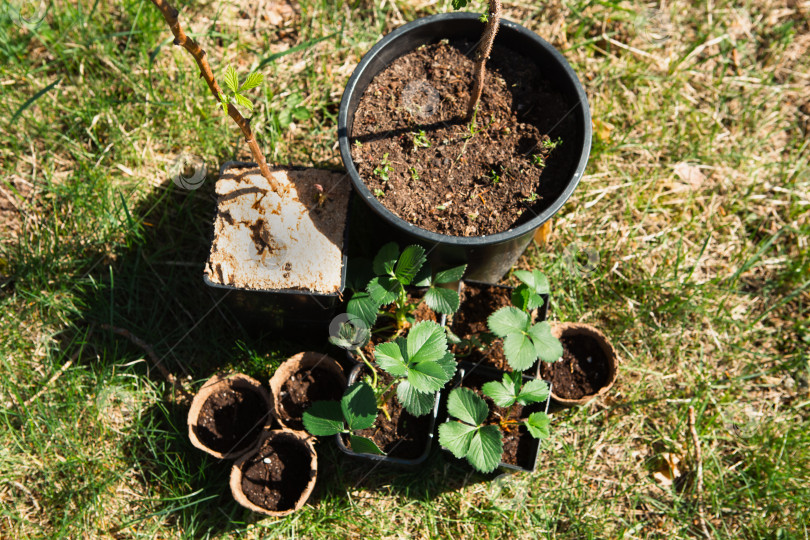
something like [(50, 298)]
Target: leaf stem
[(370, 366)]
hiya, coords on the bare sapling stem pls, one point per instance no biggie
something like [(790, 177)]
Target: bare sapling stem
[(180, 38), (484, 50)]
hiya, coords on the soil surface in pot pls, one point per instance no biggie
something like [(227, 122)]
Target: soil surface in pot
[(421, 313), (305, 387), (276, 476), (583, 370), (265, 241), (404, 435), (231, 420), (518, 444), (478, 303), (416, 152)]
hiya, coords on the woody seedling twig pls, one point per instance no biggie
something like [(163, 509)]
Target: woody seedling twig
[(493, 21), (180, 38)]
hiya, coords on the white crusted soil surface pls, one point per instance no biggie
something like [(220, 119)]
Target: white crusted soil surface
[(264, 241)]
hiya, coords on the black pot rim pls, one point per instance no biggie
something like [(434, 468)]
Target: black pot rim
[(245, 164), (429, 236)]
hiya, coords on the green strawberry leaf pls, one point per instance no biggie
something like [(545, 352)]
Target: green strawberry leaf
[(389, 356), (458, 4), (546, 346), (384, 289), (386, 259), (351, 334), (364, 307), (323, 418), (520, 297), (456, 437), (451, 275), (520, 351), (359, 406), (448, 364), (363, 445), (534, 391), (505, 392), (409, 263), (508, 320), (535, 280), (415, 402), (427, 376), (537, 425), (464, 404), (426, 341), (442, 300), (485, 449)]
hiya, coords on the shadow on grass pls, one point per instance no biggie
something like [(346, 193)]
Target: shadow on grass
[(154, 290)]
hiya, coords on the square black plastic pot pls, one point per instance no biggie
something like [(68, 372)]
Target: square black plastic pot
[(490, 373), (488, 257), (293, 311), (354, 376), (540, 314)]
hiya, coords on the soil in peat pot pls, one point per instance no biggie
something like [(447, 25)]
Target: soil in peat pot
[(306, 386), (421, 313), (231, 420), (477, 303), (582, 371), (404, 435), (450, 180), (276, 476), (518, 444)]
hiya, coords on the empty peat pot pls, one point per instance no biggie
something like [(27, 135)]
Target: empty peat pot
[(228, 415), (301, 380), (587, 368), (278, 477)]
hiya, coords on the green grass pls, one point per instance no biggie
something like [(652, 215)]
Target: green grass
[(702, 282)]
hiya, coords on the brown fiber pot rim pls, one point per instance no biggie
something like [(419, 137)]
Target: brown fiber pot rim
[(560, 330), (213, 385), (300, 437), (306, 360)]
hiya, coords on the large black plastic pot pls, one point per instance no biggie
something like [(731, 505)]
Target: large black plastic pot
[(488, 257), (290, 310)]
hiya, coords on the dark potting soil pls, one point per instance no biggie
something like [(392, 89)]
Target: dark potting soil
[(478, 303), (450, 180), (518, 444), (276, 476), (305, 387), (404, 435), (583, 370), (231, 420)]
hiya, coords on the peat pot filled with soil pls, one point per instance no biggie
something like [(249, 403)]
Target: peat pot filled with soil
[(587, 368), (228, 414), (477, 302), (405, 439), (301, 380), (280, 260), (278, 477), (468, 192)]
